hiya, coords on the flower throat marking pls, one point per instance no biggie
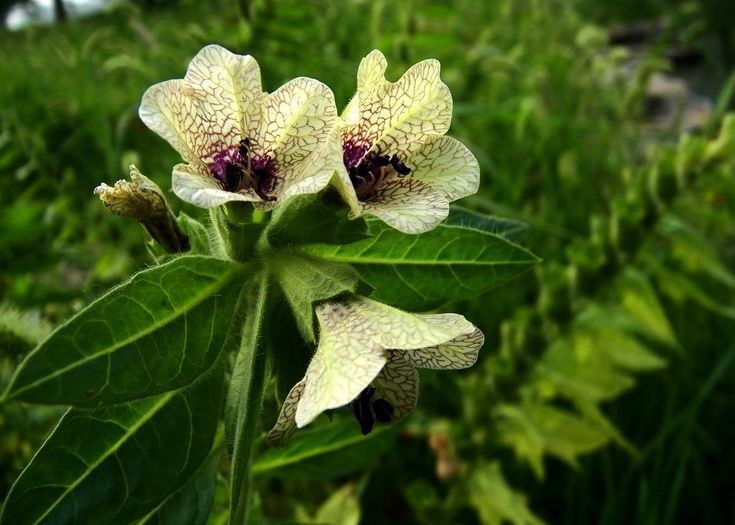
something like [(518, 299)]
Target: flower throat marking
[(258, 173), (367, 174)]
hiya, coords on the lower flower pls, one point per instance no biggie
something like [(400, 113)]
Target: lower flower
[(367, 358)]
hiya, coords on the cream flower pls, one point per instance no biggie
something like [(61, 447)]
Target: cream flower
[(238, 142), (367, 356), (396, 162)]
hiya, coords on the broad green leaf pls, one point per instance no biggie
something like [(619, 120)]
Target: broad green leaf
[(495, 501), (157, 332), (305, 280), (328, 450), (533, 430), (578, 374), (192, 502), (116, 464), (420, 272), (511, 229)]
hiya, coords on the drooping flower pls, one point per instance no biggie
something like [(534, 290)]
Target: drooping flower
[(367, 357), (396, 162), (239, 143)]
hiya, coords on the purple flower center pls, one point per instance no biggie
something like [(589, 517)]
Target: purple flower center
[(238, 168), (368, 169)]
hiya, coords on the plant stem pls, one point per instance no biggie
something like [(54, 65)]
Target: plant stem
[(245, 398)]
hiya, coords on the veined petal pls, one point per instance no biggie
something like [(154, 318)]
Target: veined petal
[(207, 112), (343, 365), (460, 352), (408, 205), (297, 119), (390, 328), (446, 165), (231, 82), (286, 423), (226, 93), (165, 110), (398, 383), (419, 104), (198, 187)]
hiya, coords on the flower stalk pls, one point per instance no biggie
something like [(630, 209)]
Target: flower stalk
[(245, 398)]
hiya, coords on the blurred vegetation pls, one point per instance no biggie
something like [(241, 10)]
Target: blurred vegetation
[(605, 386)]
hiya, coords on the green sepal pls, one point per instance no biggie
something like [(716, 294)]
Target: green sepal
[(305, 281), (238, 228), (197, 233)]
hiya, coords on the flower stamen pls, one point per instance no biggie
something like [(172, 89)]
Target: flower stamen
[(368, 173), (368, 411), (242, 171)]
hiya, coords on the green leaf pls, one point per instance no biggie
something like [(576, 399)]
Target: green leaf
[(19, 330), (533, 430), (329, 450), (305, 280), (116, 464), (510, 229), (155, 333), (420, 272), (192, 502), (495, 501)]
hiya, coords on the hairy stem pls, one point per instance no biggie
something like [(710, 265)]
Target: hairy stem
[(245, 399)]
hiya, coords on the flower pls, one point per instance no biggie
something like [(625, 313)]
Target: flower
[(367, 356), (238, 142), (395, 161), (141, 199)]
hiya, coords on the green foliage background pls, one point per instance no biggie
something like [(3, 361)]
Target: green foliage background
[(604, 390)]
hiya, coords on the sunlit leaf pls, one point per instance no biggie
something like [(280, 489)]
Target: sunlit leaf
[(495, 501), (420, 272), (533, 430), (157, 332)]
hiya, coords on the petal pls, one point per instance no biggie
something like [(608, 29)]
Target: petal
[(371, 322), (210, 110), (286, 423), (408, 205), (230, 81), (419, 104), (446, 165), (460, 352), (226, 93), (341, 368), (398, 383), (197, 187), (165, 110), (297, 120)]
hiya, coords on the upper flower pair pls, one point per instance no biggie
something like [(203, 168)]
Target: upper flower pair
[(387, 155)]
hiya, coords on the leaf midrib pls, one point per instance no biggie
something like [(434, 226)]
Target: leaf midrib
[(188, 306), (110, 451)]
